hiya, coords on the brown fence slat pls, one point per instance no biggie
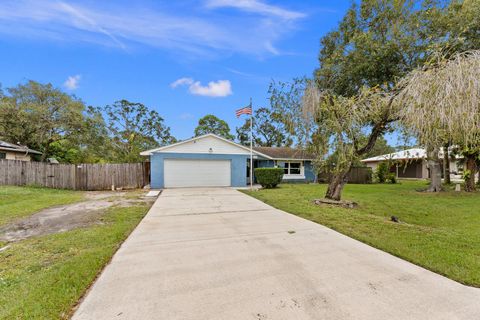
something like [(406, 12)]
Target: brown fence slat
[(74, 176), (355, 175)]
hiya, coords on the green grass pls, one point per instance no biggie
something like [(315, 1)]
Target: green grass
[(44, 277), (18, 202), (440, 232)]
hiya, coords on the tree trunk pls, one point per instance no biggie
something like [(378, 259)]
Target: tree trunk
[(335, 187), (446, 164), (471, 166), (435, 170), (44, 155)]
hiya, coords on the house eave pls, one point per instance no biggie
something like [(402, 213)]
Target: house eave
[(165, 148), (25, 151)]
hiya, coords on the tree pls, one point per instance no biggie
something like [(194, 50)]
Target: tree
[(40, 116), (268, 131), (376, 42), (441, 104), (134, 128), (342, 122), (381, 147), (454, 27), (212, 124), (335, 124), (92, 146), (354, 87)]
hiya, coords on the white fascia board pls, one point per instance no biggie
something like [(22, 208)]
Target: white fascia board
[(149, 152)]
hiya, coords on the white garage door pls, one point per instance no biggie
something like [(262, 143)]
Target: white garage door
[(196, 173)]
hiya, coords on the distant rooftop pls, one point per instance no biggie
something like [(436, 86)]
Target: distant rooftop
[(6, 146), (414, 153)]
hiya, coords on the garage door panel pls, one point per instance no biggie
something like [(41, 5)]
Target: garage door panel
[(197, 173)]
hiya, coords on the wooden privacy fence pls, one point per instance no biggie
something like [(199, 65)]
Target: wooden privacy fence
[(75, 176), (360, 175)]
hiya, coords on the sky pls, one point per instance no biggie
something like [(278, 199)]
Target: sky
[(184, 59)]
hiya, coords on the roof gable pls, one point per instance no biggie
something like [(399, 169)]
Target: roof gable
[(206, 144)]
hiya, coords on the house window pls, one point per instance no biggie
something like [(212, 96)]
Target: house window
[(290, 168), (294, 167), (3, 155)]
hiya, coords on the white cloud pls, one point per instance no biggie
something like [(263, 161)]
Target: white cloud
[(256, 6), (178, 27), (220, 88), (72, 82), (181, 81)]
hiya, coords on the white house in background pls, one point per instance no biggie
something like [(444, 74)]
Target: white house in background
[(10, 151), (410, 163)]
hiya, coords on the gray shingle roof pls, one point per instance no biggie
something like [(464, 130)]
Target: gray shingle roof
[(285, 153), (6, 146)]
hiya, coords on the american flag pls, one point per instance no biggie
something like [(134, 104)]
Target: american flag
[(245, 110)]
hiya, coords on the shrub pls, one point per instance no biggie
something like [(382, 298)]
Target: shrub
[(269, 177), (391, 177), (382, 172)]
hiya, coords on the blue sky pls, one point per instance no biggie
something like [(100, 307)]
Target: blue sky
[(184, 59)]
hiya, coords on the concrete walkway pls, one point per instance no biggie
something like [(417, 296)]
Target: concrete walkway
[(210, 254)]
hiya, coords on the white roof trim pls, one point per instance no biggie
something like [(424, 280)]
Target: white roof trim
[(291, 159), (149, 152), (415, 153)]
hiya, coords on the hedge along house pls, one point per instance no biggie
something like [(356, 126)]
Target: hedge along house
[(213, 161)]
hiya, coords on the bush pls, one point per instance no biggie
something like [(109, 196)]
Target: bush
[(392, 178), (382, 172), (269, 177)]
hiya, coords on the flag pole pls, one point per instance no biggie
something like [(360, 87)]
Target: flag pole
[(251, 145)]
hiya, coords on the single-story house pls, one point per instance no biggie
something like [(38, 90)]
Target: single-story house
[(10, 151), (410, 163), (213, 161)]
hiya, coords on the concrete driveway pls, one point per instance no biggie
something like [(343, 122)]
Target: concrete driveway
[(218, 254)]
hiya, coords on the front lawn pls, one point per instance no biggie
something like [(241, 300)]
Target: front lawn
[(44, 277), (18, 202), (440, 232)]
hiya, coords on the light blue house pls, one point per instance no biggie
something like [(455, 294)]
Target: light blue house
[(213, 161)]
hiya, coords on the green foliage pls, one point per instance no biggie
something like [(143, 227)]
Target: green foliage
[(60, 125), (375, 42), (381, 147), (212, 124), (382, 172), (39, 115), (268, 130), (392, 178), (455, 27), (269, 177), (134, 128)]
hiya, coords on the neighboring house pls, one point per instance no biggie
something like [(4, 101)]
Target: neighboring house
[(213, 161), (11, 151), (410, 163)]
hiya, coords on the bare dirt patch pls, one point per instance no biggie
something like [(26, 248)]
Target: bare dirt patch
[(67, 217)]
